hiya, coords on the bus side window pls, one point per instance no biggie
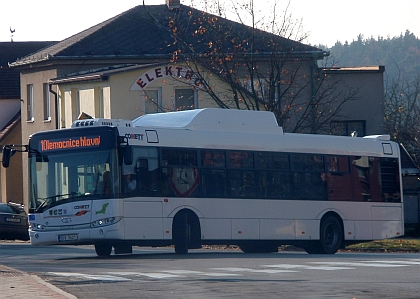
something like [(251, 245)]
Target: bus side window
[(239, 159), (214, 183), (142, 175)]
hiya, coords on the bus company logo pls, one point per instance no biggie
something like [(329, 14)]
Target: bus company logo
[(80, 142), (81, 212), (134, 136), (57, 212), (82, 207), (103, 209)]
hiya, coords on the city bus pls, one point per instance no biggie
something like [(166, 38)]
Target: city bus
[(209, 177)]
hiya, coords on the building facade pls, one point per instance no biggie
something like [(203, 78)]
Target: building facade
[(10, 118)]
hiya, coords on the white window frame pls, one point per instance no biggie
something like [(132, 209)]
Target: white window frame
[(47, 103), (30, 103), (159, 99), (195, 94)]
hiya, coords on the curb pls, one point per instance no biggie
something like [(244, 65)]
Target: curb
[(19, 284)]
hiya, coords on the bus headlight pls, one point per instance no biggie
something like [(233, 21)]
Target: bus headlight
[(105, 221), (36, 227)]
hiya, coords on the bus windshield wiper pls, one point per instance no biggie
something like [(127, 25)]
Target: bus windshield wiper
[(49, 200)]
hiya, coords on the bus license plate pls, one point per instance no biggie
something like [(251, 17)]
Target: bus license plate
[(66, 238)]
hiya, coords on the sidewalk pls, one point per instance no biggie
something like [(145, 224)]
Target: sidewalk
[(18, 284)]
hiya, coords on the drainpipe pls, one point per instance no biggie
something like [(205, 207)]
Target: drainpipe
[(56, 104)]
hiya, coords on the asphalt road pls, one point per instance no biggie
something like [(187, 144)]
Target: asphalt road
[(206, 273)]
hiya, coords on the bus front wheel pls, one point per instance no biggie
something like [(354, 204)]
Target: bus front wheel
[(103, 249)]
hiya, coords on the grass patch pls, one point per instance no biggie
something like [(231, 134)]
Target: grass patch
[(388, 245)]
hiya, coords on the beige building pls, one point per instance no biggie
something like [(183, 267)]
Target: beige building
[(11, 178), (10, 119), (144, 89), (364, 112), (129, 92)]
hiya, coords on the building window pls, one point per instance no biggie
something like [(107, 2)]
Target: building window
[(185, 99), (30, 102), (347, 127), (261, 88), (152, 101), (47, 103), (75, 103)]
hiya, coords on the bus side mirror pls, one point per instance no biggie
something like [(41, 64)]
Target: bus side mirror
[(128, 155), (7, 153)]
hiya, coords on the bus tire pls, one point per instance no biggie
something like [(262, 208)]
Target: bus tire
[(181, 232), (330, 237), (103, 249)]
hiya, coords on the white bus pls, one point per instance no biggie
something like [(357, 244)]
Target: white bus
[(210, 177)]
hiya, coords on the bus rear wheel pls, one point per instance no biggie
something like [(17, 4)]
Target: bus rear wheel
[(182, 233), (330, 238), (103, 249)]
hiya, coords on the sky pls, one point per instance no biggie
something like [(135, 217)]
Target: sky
[(326, 21)]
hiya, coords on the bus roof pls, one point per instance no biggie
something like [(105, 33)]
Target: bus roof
[(237, 129), (213, 119)]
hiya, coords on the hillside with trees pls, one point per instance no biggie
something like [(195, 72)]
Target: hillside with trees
[(401, 57), (398, 54)]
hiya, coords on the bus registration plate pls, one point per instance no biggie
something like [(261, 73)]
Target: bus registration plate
[(66, 238)]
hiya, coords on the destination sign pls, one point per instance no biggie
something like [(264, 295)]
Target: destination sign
[(70, 143)]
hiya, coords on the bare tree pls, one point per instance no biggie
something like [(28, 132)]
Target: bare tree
[(263, 62), (402, 111)]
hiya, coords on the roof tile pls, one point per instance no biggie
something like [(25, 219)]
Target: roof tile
[(147, 31)]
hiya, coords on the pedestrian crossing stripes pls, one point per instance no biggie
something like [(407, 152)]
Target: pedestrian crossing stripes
[(232, 272)]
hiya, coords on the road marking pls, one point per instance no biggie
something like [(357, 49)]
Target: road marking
[(182, 272), (216, 274), (90, 276), (305, 267), (408, 262), (150, 275), (362, 264), (269, 271), (237, 271), (189, 272)]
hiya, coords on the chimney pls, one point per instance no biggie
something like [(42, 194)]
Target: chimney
[(173, 4)]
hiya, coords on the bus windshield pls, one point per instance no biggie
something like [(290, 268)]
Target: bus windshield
[(71, 175)]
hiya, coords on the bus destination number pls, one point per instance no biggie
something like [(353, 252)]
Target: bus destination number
[(66, 238)]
